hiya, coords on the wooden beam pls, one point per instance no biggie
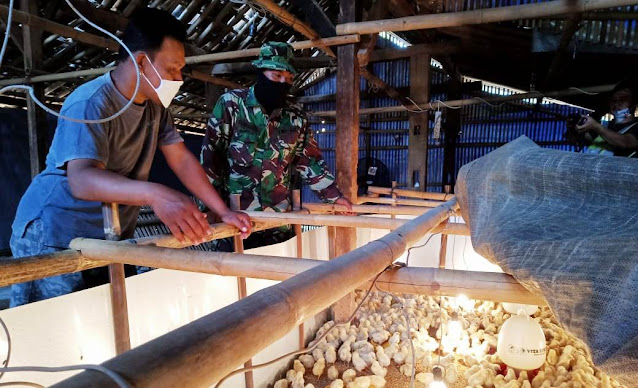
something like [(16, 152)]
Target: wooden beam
[(561, 58), (480, 16), (59, 29), (434, 105), (347, 128), (236, 332), (419, 126), (300, 63), (36, 118), (301, 45), (389, 90), (316, 17), (291, 21), (325, 208), (378, 10)]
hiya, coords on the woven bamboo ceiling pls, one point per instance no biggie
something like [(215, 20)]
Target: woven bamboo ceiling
[(586, 49)]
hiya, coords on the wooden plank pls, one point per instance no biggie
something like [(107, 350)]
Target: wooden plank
[(236, 332), (119, 304)]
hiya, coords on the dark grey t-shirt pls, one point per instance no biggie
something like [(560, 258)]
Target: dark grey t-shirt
[(125, 145)]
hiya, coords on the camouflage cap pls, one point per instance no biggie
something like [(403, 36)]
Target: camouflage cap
[(275, 56)]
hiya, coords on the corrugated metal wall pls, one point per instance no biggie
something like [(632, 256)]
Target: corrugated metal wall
[(484, 127)]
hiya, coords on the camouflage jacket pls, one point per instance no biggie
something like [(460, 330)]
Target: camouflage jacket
[(246, 152)]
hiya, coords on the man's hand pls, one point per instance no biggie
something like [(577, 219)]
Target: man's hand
[(589, 125), (345, 202), (180, 215), (240, 220)]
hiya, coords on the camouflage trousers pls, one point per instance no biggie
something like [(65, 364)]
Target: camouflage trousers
[(32, 243)]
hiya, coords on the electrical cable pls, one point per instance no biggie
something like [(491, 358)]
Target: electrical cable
[(5, 43), (114, 376), (31, 91), (584, 91), (407, 320), (307, 349), (5, 363), (407, 259)]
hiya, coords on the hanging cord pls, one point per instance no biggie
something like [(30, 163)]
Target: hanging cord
[(407, 259), (29, 89), (5, 43)]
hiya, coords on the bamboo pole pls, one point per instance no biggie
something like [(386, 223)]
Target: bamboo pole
[(390, 201), (218, 231), (215, 57), (59, 29), (117, 281), (29, 268), (328, 220), (413, 280), (221, 341), (38, 267), (434, 105), (326, 208), (242, 292), (410, 193), (479, 16)]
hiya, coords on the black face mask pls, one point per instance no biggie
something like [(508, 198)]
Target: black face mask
[(271, 95)]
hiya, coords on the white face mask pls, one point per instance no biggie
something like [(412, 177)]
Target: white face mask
[(167, 89), (622, 114)]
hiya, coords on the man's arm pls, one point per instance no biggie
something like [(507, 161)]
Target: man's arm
[(193, 176), (314, 171), (615, 139), (89, 181)]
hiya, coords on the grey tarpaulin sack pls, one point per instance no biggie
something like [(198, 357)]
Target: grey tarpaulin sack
[(566, 226)]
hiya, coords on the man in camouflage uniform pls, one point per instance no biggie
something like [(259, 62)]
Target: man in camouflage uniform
[(256, 139)]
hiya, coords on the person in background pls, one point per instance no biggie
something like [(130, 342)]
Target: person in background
[(620, 137), (89, 164), (257, 139)]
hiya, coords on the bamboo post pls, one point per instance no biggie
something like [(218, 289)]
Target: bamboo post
[(443, 250), (222, 340), (296, 206), (242, 292), (394, 197), (119, 305)]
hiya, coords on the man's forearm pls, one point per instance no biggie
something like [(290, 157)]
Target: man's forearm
[(193, 176), (615, 139), (95, 184)]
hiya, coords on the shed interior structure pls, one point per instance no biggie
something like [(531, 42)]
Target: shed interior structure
[(400, 95)]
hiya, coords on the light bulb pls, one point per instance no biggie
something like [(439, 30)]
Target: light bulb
[(323, 129), (438, 382), (465, 303), (521, 342)]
